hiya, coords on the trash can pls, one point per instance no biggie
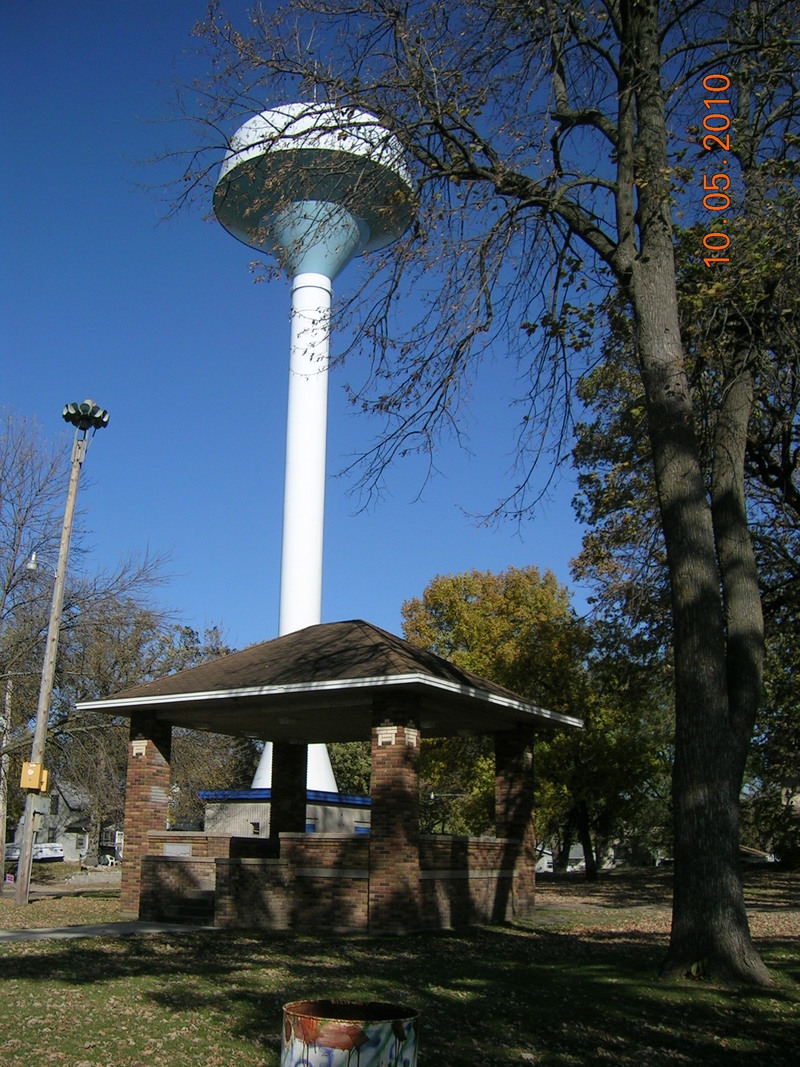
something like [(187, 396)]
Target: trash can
[(338, 1033)]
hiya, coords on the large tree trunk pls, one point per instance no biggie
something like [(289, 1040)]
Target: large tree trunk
[(709, 922), (561, 844), (585, 838), (710, 932)]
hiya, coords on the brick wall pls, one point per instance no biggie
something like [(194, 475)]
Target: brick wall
[(253, 892), (331, 880), (466, 881), (394, 886), (187, 843), (288, 803), (320, 882), (146, 800), (515, 822), (177, 889)]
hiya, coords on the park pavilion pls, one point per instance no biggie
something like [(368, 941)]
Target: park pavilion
[(344, 681)]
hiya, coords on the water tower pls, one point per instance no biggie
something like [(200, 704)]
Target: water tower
[(314, 186)]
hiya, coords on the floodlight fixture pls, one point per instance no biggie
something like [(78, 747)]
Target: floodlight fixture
[(85, 416)]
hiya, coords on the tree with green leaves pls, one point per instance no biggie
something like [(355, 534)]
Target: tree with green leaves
[(756, 319), (548, 143), (351, 762), (772, 783), (517, 628), (755, 306)]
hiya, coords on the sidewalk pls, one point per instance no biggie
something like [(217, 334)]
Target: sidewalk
[(89, 878), (120, 929), (93, 880)]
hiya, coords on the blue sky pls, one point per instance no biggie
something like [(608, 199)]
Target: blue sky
[(161, 323)]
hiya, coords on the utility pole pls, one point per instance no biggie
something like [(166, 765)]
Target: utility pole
[(84, 417), (5, 724)]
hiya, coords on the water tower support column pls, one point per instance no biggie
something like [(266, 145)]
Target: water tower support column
[(304, 489), (314, 186)]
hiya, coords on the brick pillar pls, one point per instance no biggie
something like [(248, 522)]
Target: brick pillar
[(146, 800), (394, 891), (287, 811), (515, 822)]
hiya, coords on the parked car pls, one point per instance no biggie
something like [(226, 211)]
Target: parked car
[(544, 864), (46, 851)]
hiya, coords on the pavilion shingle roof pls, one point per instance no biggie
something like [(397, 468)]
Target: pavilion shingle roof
[(334, 651), (321, 684)]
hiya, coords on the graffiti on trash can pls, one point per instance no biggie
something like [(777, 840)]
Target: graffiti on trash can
[(314, 1040)]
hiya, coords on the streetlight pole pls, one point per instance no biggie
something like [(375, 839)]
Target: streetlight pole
[(84, 417), (5, 725)]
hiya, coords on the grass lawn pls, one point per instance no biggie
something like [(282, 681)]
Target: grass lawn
[(577, 985)]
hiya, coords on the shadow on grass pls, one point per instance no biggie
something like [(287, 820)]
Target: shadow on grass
[(490, 996), (769, 888), (766, 887)]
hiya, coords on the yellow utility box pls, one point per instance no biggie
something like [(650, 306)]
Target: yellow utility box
[(34, 776)]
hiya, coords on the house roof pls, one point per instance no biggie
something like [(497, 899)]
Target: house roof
[(318, 684), (76, 799)]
